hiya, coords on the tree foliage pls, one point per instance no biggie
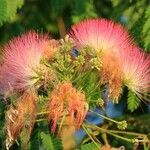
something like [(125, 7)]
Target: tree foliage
[(8, 9), (50, 142), (89, 146), (133, 101), (146, 29)]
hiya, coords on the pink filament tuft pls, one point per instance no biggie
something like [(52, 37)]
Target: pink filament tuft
[(101, 34), (22, 57), (136, 70)]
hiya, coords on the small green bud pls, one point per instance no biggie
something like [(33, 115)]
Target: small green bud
[(100, 102), (95, 63), (80, 60), (122, 125), (66, 44)]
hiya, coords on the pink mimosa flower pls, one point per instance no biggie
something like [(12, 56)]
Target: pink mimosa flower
[(21, 63), (136, 70), (67, 101), (107, 38), (101, 35), (121, 58)]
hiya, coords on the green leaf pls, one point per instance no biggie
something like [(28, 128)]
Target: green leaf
[(89, 146), (2, 122), (50, 142), (35, 140), (146, 29), (12, 7), (133, 101), (83, 10), (8, 9), (89, 83), (3, 10), (136, 30), (57, 7)]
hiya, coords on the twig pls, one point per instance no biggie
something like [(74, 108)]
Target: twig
[(86, 130)]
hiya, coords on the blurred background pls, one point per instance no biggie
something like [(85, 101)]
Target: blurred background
[(57, 16)]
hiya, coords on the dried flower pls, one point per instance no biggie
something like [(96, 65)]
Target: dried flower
[(111, 74), (22, 68), (66, 100), (136, 70), (50, 47), (20, 117)]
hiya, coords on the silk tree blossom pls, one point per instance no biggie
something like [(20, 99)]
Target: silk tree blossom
[(119, 54), (67, 101), (21, 67), (101, 35), (107, 38), (136, 70)]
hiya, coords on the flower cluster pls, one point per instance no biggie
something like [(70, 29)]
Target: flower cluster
[(96, 53), (66, 100), (22, 69), (123, 61)]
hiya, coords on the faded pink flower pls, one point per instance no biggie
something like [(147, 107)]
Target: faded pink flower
[(67, 101), (136, 70), (101, 35), (21, 64), (111, 74), (21, 118)]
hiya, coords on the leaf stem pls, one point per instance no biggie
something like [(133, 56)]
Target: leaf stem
[(86, 130), (61, 123), (40, 120), (128, 133), (117, 122), (107, 131), (112, 132), (43, 113)]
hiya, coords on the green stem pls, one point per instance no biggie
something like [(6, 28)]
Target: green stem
[(104, 136), (120, 137), (61, 123), (40, 120), (86, 130), (110, 133), (43, 113), (117, 122), (128, 133)]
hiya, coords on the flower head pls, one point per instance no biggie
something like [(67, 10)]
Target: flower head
[(121, 58), (136, 70), (67, 101), (20, 118), (101, 35), (22, 56), (107, 38)]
